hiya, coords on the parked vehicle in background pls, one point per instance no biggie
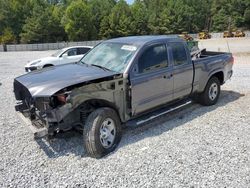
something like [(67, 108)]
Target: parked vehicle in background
[(239, 33), (186, 36), (204, 35), (63, 56), (121, 81), (228, 34)]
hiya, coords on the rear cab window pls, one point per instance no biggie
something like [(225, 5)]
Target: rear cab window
[(179, 53), (153, 58)]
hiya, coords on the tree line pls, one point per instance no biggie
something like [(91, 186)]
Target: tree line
[(40, 21)]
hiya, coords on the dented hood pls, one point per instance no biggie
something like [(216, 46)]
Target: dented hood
[(47, 82)]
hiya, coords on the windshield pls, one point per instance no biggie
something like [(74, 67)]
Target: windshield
[(57, 53), (112, 56)]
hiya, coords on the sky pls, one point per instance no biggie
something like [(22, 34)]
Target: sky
[(130, 1)]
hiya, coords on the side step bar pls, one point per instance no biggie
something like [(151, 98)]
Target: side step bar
[(157, 113), (38, 132)]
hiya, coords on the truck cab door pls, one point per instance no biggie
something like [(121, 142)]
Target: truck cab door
[(183, 72), (151, 79)]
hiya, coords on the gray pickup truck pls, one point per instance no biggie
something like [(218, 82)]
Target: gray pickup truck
[(119, 81)]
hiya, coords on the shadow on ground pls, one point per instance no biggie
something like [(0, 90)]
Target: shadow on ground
[(70, 142)]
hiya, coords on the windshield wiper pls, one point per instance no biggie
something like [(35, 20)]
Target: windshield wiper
[(101, 67)]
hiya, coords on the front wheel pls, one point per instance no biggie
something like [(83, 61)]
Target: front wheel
[(48, 65), (102, 132), (211, 93)]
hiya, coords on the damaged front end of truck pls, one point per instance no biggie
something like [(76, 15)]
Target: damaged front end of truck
[(49, 111)]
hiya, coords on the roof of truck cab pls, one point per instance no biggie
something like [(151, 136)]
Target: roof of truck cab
[(141, 40)]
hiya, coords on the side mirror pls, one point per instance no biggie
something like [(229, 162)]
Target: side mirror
[(64, 55)]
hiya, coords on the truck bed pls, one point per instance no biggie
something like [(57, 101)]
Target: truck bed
[(208, 62)]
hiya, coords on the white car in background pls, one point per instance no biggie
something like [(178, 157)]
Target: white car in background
[(66, 55)]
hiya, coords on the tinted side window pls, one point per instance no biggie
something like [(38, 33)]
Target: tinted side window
[(155, 57), (179, 53), (81, 51), (72, 52)]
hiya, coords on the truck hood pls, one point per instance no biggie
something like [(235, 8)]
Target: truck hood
[(48, 81)]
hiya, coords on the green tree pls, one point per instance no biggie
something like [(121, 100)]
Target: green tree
[(139, 18), (200, 15), (78, 21), (7, 36), (13, 14), (220, 21), (247, 18), (55, 20), (118, 23), (99, 10), (105, 29), (43, 25), (55, 23), (4, 7), (228, 14), (182, 17), (155, 10)]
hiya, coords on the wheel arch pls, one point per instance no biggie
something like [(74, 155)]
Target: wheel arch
[(219, 74), (90, 105), (48, 65)]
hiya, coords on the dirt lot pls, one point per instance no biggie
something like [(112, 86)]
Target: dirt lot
[(193, 147)]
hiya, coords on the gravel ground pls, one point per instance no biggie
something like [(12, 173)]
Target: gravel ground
[(194, 147)]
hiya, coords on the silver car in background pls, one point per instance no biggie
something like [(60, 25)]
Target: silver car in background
[(63, 56)]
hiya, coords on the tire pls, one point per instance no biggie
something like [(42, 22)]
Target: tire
[(211, 93), (99, 128)]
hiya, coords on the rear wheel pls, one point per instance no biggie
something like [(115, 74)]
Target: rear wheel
[(211, 93), (102, 132)]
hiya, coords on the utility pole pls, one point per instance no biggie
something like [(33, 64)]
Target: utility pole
[(229, 24)]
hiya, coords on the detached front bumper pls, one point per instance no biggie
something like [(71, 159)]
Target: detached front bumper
[(39, 131), (39, 115), (43, 123), (27, 112)]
